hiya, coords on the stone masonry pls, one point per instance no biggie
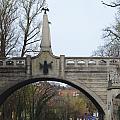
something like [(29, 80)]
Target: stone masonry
[(97, 77)]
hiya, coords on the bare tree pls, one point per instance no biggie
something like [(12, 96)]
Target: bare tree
[(111, 46), (8, 17), (111, 36), (112, 4), (19, 26), (28, 102), (44, 93), (30, 23)]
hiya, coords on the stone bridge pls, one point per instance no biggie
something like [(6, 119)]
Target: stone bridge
[(97, 77)]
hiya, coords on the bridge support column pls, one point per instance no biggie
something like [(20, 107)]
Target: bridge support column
[(28, 65), (109, 105), (62, 66)]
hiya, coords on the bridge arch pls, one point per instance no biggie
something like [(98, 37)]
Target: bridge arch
[(90, 94), (118, 96)]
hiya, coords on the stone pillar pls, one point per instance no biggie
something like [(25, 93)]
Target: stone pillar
[(28, 65), (109, 105), (62, 66)]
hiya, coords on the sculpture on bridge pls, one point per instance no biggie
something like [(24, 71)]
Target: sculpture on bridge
[(46, 67), (45, 10)]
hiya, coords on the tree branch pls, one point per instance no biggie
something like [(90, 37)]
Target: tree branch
[(32, 36), (32, 42), (113, 4)]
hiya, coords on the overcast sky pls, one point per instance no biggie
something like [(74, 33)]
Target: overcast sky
[(76, 28)]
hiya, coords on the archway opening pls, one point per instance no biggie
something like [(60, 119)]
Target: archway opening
[(118, 96), (8, 92), (116, 106)]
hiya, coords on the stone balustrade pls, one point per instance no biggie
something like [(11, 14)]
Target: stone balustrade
[(87, 61), (14, 62)]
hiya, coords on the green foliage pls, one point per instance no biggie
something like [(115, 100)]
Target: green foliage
[(42, 101), (119, 112), (68, 106), (28, 102)]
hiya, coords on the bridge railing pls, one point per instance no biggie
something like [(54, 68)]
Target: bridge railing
[(13, 62), (90, 61)]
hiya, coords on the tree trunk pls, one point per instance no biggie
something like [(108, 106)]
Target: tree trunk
[(2, 47)]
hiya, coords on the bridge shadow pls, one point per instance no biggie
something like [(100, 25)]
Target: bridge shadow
[(9, 91)]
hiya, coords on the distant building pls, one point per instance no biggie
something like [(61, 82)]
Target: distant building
[(69, 92)]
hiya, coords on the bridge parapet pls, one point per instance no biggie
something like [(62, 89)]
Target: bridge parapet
[(13, 67), (13, 62), (88, 61)]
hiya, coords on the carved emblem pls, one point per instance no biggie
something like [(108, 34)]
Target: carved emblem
[(46, 67)]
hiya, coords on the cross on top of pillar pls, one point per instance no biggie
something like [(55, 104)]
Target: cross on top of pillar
[(45, 10)]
